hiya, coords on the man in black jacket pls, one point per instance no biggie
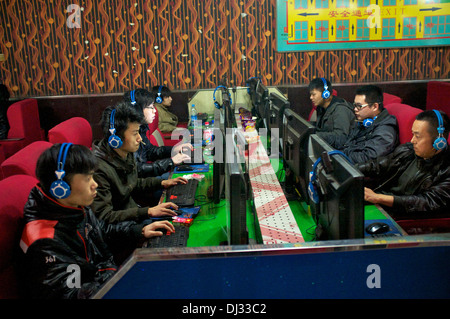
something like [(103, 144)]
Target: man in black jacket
[(335, 116), (414, 181), (67, 249), (376, 131)]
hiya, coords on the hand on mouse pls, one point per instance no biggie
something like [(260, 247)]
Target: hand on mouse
[(181, 147), (164, 209), (151, 230), (174, 181)]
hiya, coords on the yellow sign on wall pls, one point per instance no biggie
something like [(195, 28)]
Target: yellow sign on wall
[(305, 25)]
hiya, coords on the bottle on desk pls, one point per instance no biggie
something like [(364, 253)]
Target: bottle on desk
[(193, 115)]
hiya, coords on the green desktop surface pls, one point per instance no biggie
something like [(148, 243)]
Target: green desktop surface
[(209, 227)]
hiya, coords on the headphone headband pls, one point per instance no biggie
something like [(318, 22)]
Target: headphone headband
[(133, 100), (59, 188), (440, 142), (114, 141), (158, 96)]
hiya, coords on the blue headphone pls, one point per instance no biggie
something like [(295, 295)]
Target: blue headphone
[(114, 141), (158, 97), (312, 187), (440, 142), (325, 94), (133, 100), (217, 105), (368, 122), (59, 188)]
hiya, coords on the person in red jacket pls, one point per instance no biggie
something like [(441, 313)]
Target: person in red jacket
[(68, 252)]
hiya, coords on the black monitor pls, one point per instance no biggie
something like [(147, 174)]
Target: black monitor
[(261, 102), (218, 155), (339, 212), (236, 194), (296, 132), (230, 117), (277, 105)]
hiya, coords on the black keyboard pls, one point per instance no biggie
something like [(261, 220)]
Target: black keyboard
[(182, 194), (177, 239)]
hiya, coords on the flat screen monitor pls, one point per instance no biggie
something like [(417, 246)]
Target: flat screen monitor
[(236, 194), (340, 211), (261, 102), (230, 118), (274, 117), (218, 155), (296, 132)]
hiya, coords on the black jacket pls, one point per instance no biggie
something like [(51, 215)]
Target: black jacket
[(119, 186), (58, 239), (428, 192), (366, 143), (152, 160), (336, 120)]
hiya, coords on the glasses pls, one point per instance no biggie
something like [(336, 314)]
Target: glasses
[(359, 106)]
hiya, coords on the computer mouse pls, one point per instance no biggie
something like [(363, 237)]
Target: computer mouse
[(377, 228)]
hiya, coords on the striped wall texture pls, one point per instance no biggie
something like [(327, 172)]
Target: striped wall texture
[(186, 45)]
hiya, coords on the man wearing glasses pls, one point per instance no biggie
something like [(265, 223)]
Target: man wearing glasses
[(375, 132)]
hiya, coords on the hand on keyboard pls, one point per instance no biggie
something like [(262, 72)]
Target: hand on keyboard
[(174, 181), (164, 209), (157, 229)]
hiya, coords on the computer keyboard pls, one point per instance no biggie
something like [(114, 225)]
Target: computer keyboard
[(182, 194), (168, 239)]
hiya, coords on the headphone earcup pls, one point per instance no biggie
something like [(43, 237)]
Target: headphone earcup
[(114, 141), (158, 99), (326, 94), (60, 189), (440, 143), (367, 122)]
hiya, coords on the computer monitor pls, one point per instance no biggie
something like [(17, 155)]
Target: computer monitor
[(236, 193), (339, 212), (227, 105), (274, 117), (261, 102), (218, 155), (296, 132)]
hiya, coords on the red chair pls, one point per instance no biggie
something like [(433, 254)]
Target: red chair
[(25, 128), (76, 130), (389, 99), (438, 96), (14, 193), (24, 161), (406, 115)]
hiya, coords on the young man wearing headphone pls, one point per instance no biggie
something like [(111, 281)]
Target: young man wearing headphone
[(375, 132), (163, 101), (119, 187), (414, 181), (68, 252), (335, 116)]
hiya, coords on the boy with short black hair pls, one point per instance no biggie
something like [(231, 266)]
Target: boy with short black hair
[(68, 251)]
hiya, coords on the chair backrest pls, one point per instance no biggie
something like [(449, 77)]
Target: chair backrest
[(23, 118), (438, 97), (24, 161), (406, 115), (76, 130), (390, 98), (14, 193)]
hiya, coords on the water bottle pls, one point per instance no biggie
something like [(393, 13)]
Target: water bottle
[(193, 115)]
